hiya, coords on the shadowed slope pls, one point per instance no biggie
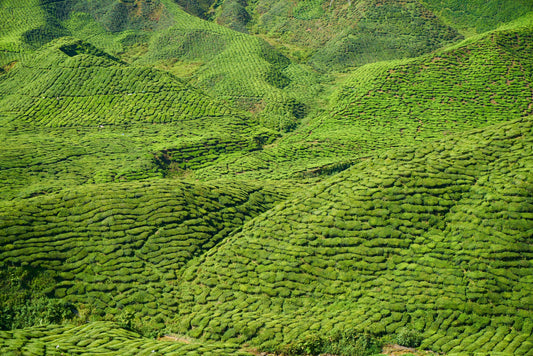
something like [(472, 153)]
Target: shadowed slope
[(334, 35), (436, 237), (479, 15)]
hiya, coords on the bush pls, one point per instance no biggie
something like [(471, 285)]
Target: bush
[(408, 337), (348, 343)]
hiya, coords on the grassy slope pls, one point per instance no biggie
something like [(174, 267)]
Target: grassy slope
[(436, 237), (71, 83)]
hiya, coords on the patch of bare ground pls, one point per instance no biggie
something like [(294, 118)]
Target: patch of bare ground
[(397, 350), (176, 338)]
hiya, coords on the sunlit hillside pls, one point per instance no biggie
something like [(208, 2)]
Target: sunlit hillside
[(199, 177)]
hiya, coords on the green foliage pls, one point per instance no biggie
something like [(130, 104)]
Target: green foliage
[(233, 14), (408, 337), (479, 15), (335, 34), (342, 343), (24, 299), (136, 167), (308, 9), (382, 247)]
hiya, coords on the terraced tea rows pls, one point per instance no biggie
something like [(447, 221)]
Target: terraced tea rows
[(436, 237), (35, 161), (389, 104), (122, 245), (334, 35), (233, 67), (79, 85), (423, 239), (102, 338)]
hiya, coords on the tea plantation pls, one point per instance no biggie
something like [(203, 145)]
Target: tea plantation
[(266, 177), (435, 237)]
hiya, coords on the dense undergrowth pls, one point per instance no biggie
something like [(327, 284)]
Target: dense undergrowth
[(239, 177)]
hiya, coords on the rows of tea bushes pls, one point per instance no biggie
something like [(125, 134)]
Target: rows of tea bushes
[(102, 338), (39, 160), (435, 238), (242, 70), (479, 15), (75, 87), (238, 68), (481, 81), (334, 35), (121, 246)]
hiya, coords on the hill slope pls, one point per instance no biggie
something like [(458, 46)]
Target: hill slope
[(139, 143), (333, 35), (435, 237), (480, 81), (122, 245)]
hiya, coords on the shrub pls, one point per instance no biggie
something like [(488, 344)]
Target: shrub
[(348, 343), (408, 337)]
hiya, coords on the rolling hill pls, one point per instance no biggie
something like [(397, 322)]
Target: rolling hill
[(435, 237), (266, 177)]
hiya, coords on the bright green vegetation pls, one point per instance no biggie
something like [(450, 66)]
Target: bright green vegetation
[(435, 237), (293, 177), (71, 83), (389, 104), (122, 245), (479, 15), (103, 338)]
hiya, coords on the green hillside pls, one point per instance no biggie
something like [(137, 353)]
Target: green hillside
[(242, 70), (396, 103), (478, 15), (336, 34), (71, 83), (198, 177), (122, 245), (435, 238)]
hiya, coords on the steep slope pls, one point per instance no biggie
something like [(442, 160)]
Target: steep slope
[(240, 69), (435, 237), (115, 246), (73, 114), (72, 83), (479, 15)]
